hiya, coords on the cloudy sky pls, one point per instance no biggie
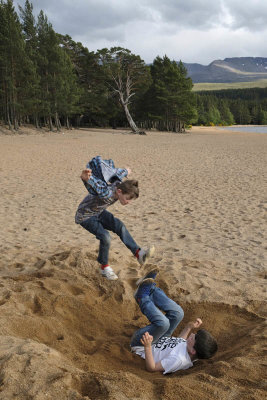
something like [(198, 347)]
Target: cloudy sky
[(191, 30)]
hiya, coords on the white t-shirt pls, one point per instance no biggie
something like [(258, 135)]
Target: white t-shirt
[(171, 352)]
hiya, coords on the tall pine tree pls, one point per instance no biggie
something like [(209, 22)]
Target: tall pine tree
[(14, 64), (59, 91), (32, 103), (172, 100)]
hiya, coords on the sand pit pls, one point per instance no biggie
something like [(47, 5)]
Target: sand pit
[(65, 331)]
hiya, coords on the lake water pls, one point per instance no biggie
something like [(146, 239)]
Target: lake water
[(256, 129)]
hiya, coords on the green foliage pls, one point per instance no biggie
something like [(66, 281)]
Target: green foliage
[(124, 74), (31, 95), (263, 117), (49, 79), (242, 106), (169, 102), (15, 65)]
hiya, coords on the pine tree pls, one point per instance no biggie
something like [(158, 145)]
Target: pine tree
[(59, 91), (214, 116), (227, 117), (12, 61), (125, 74), (32, 91), (67, 93), (173, 103), (44, 29), (94, 104), (263, 117)]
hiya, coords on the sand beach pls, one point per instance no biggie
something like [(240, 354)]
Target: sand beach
[(65, 330)]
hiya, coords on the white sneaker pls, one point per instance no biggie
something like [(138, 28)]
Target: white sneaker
[(108, 273), (145, 254)]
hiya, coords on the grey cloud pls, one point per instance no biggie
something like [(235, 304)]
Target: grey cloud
[(99, 17), (172, 27), (207, 14), (96, 16), (190, 13), (250, 15)]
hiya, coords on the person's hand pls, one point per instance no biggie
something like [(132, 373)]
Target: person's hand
[(86, 174), (146, 340), (129, 170), (197, 323)]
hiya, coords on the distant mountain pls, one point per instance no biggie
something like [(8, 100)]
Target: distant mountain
[(237, 69)]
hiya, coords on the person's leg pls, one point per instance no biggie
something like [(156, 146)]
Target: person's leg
[(113, 224), (172, 310), (159, 323), (94, 226)]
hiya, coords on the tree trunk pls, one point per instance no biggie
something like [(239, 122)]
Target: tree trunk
[(9, 122), (57, 122), (50, 123), (8, 115), (36, 122), (16, 125), (67, 123), (131, 121)]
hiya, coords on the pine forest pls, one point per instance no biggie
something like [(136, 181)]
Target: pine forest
[(49, 80)]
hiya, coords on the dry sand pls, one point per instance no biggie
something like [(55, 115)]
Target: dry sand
[(64, 330)]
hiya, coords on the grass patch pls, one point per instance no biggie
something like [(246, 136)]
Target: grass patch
[(260, 83)]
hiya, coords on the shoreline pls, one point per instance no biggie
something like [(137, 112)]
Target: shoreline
[(29, 129)]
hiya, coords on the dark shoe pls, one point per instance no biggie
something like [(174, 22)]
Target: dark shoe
[(143, 289), (151, 274), (145, 254)]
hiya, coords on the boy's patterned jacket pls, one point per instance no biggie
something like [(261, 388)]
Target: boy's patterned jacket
[(101, 192)]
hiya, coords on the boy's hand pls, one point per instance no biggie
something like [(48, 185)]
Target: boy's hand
[(129, 170), (197, 323), (86, 174), (188, 328), (146, 340)]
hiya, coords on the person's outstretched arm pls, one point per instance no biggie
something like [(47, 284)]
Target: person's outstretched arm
[(188, 328), (151, 366), (101, 188)]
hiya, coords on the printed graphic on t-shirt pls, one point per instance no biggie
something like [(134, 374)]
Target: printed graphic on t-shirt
[(168, 342)]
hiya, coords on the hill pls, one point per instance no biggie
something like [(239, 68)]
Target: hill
[(237, 69)]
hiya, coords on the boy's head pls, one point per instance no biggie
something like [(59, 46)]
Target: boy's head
[(127, 191), (205, 344)]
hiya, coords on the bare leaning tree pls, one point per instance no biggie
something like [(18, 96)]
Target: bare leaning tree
[(125, 74)]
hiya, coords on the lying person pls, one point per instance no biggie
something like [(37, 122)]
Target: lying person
[(155, 343)]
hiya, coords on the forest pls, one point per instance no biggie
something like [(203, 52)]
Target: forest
[(49, 80)]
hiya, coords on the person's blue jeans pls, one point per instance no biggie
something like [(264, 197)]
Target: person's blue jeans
[(161, 325), (99, 225)]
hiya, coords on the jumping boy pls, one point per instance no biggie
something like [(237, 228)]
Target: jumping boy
[(154, 343), (104, 184)]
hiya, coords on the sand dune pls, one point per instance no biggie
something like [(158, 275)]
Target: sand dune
[(65, 331)]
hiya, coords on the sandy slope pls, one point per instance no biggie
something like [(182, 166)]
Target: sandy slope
[(64, 330)]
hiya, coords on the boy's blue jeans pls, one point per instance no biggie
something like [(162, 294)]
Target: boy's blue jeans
[(161, 325), (99, 225)]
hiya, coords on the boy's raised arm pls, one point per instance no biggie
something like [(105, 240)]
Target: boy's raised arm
[(99, 186), (151, 366), (188, 328)]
